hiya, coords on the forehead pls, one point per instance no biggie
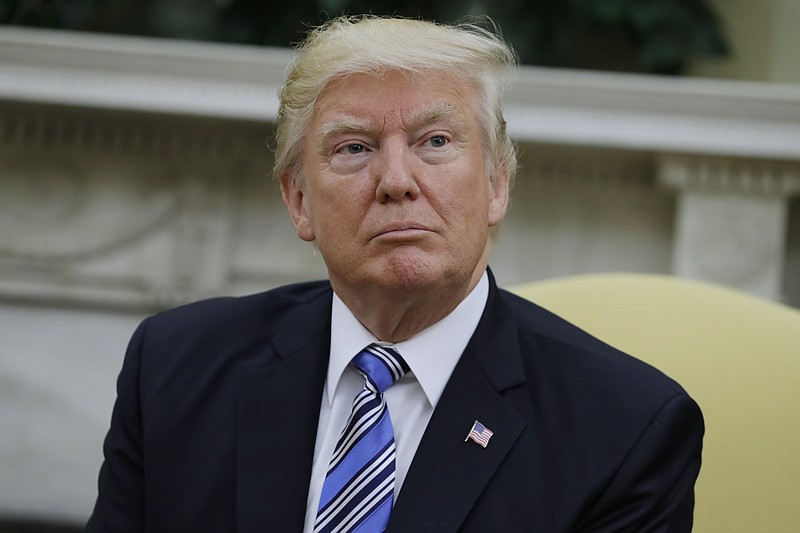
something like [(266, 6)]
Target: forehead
[(401, 96)]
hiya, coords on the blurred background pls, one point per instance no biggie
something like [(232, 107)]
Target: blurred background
[(654, 136)]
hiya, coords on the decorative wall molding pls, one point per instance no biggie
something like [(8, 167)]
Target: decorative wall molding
[(745, 176), (140, 74), (732, 219), (652, 113), (115, 208), (589, 170), (52, 207)]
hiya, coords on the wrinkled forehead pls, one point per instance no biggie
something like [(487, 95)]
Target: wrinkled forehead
[(413, 98)]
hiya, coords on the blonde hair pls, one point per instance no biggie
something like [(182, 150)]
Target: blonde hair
[(370, 44)]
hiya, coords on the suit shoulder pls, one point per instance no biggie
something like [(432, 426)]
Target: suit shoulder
[(201, 339), (560, 345), (274, 302), (232, 319)]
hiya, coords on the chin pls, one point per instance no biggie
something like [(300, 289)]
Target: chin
[(420, 274)]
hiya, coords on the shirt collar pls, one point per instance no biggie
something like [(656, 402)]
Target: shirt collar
[(432, 354)]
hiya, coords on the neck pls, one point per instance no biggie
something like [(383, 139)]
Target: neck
[(398, 315)]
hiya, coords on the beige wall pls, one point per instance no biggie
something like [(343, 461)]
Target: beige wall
[(785, 64), (765, 41)]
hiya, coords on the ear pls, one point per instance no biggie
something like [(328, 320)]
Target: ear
[(296, 202), (498, 196)]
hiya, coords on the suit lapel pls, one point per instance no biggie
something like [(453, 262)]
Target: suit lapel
[(446, 469), (278, 412)]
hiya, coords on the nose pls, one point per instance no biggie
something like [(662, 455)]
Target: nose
[(395, 175)]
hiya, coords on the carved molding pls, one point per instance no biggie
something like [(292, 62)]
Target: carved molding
[(732, 219), (140, 74), (141, 136), (53, 207), (732, 239), (745, 176), (115, 208), (587, 170)]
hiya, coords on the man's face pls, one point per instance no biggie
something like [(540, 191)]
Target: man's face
[(395, 189)]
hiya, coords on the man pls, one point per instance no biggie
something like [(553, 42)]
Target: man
[(235, 414)]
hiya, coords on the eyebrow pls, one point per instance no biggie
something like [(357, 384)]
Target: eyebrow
[(346, 124), (437, 112)]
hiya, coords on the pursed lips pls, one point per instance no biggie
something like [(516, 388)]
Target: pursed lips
[(402, 230)]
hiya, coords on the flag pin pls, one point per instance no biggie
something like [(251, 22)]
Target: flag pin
[(479, 433)]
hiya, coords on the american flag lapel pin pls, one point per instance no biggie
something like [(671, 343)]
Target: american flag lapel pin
[(479, 433)]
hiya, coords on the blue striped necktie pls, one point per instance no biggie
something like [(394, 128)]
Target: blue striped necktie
[(358, 492)]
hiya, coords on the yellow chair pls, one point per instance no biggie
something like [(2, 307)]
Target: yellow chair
[(737, 355)]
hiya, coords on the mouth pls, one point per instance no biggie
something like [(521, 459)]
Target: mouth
[(403, 231)]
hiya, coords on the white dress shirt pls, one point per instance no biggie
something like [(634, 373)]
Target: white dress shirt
[(432, 355)]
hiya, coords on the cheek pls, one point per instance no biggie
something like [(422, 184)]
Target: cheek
[(462, 194), (336, 218), (475, 198)]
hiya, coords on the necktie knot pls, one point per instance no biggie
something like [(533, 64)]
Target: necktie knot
[(382, 366)]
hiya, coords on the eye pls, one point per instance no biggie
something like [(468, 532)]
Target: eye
[(437, 141), (354, 148)]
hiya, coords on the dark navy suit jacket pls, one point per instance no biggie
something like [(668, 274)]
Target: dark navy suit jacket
[(218, 401)]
